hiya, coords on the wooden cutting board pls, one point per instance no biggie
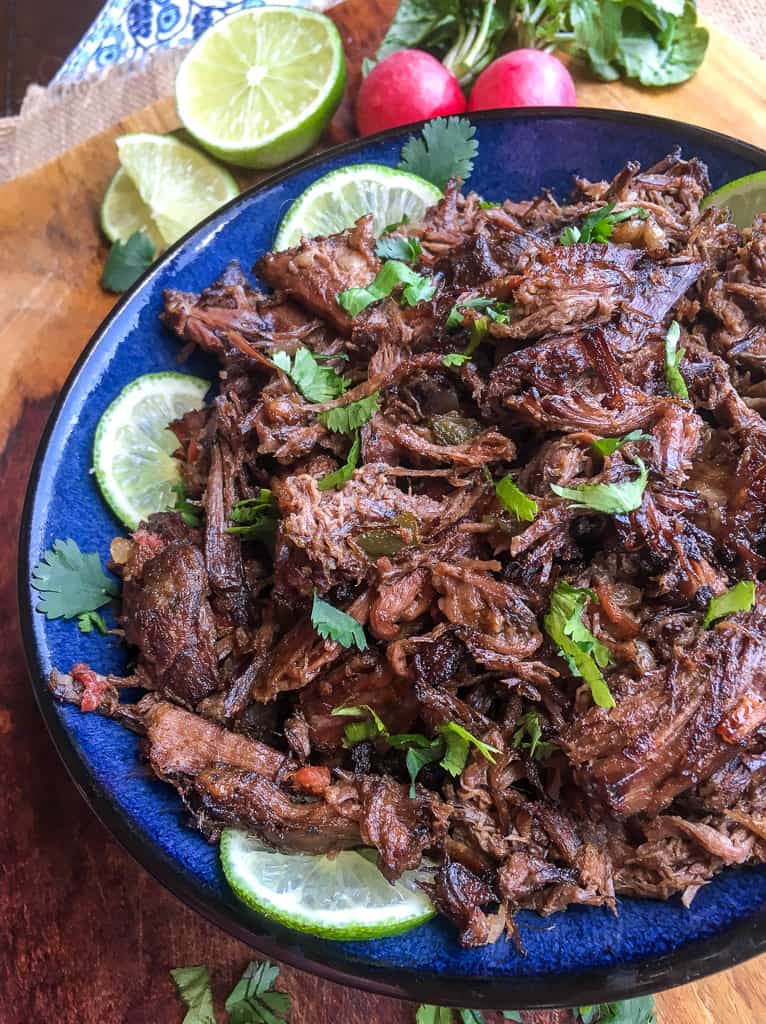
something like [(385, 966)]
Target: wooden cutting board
[(88, 936)]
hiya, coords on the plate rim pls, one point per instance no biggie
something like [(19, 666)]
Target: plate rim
[(695, 960)]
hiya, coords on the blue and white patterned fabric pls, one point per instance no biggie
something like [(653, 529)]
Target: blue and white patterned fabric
[(127, 29)]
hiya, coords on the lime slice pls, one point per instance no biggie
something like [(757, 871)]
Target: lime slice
[(123, 212), (342, 197), (132, 449), (259, 87), (178, 185), (744, 197), (340, 897)]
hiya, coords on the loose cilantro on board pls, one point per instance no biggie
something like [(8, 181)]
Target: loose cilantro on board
[(126, 262), (71, 582), (333, 624), (253, 1000), (193, 984), (445, 149)]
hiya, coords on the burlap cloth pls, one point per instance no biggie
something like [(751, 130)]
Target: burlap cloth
[(54, 119)]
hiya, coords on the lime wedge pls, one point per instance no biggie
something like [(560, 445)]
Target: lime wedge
[(259, 87), (342, 197), (177, 185), (340, 897), (745, 198), (132, 450), (123, 212)]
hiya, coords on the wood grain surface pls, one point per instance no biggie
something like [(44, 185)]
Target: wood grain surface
[(87, 936)]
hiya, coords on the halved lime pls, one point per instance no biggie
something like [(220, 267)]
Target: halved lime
[(341, 197), (340, 897), (123, 212), (132, 449), (259, 87), (745, 198), (178, 185)]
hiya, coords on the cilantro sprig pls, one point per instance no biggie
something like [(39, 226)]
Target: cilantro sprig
[(430, 1014), (333, 624), (417, 288), (346, 419), (739, 598), (515, 501), (193, 984), (316, 383), (584, 654), (126, 262), (673, 357), (614, 499), (446, 148), (253, 1000), (70, 582), (599, 225)]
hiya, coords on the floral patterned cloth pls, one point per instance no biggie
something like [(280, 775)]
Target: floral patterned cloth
[(127, 29)]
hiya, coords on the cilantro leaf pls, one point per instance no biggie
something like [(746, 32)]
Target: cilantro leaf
[(316, 383), (369, 729), (614, 499), (256, 518), (253, 999), (673, 357), (529, 736), (479, 330), (630, 1011), (446, 149), (333, 624), (739, 598), (126, 262), (609, 445), (89, 621), (458, 742), (515, 501), (486, 204), (392, 273), (346, 471), (345, 419), (70, 582), (395, 247), (494, 309), (193, 984), (599, 225), (429, 1014), (193, 515), (513, 1015), (584, 654)]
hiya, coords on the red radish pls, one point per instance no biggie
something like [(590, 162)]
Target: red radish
[(523, 78), (408, 85)]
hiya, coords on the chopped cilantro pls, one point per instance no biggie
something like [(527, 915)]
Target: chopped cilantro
[(599, 225), (673, 357), (70, 582), (458, 742), (417, 288), (446, 149), (193, 984), (739, 598), (316, 383), (529, 736), (346, 471), (395, 247), (256, 518), (515, 501), (493, 308), (89, 621), (585, 655), (479, 330), (333, 624), (126, 262), (625, 496), (608, 445), (370, 728), (191, 514)]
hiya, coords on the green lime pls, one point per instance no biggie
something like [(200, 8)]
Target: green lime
[(259, 87), (340, 897), (744, 197), (177, 185), (342, 197), (132, 450), (123, 212)]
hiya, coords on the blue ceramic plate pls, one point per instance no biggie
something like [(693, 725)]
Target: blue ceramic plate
[(583, 955)]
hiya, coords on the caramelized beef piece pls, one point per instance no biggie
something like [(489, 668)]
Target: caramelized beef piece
[(468, 901)]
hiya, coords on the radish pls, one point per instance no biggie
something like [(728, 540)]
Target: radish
[(523, 78), (409, 85)]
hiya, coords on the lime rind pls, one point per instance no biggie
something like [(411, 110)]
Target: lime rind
[(132, 448), (744, 197), (337, 200), (339, 897), (178, 185), (259, 87)]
